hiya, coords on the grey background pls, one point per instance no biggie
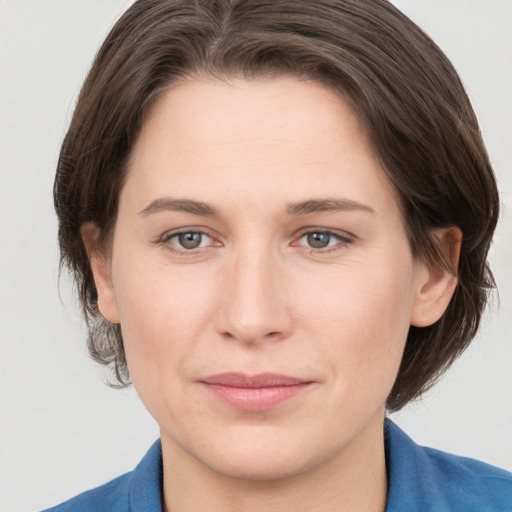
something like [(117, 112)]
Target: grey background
[(61, 429)]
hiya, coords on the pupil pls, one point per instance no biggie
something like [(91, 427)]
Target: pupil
[(190, 240), (319, 240)]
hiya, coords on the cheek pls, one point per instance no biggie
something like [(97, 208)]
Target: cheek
[(361, 321), (162, 314)]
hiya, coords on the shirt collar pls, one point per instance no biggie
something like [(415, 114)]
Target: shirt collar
[(146, 482)]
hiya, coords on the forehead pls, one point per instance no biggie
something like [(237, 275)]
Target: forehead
[(251, 110), (283, 136)]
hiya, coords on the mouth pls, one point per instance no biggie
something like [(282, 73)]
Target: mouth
[(254, 393)]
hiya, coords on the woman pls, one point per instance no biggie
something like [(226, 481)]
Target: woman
[(278, 216)]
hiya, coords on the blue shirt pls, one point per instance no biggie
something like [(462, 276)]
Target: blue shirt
[(420, 480)]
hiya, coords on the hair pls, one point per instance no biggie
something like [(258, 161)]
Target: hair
[(405, 91)]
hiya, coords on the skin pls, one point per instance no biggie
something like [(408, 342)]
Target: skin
[(255, 297)]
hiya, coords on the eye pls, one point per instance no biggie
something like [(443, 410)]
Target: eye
[(188, 240), (318, 240)]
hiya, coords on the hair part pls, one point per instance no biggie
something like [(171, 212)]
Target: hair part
[(398, 82)]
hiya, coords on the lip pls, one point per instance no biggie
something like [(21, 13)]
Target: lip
[(254, 392)]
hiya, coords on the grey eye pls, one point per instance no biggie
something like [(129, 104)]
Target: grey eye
[(190, 240), (318, 240)]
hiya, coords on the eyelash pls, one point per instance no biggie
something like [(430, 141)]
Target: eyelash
[(166, 238), (344, 240)]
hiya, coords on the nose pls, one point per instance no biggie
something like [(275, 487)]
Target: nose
[(254, 306)]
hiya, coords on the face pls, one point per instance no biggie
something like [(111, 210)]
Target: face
[(261, 275)]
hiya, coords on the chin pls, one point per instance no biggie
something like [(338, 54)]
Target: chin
[(260, 466), (263, 454)]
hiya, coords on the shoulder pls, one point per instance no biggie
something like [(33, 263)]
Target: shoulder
[(469, 481), (138, 490), (427, 479), (112, 496)]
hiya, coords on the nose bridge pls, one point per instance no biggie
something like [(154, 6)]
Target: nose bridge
[(254, 299)]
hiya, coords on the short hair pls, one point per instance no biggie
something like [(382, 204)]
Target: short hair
[(402, 87)]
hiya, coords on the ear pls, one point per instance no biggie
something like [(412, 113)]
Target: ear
[(436, 285), (100, 269)]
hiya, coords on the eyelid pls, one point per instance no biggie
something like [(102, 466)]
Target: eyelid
[(164, 238), (345, 238)]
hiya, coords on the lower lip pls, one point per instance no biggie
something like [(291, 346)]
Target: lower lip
[(255, 399)]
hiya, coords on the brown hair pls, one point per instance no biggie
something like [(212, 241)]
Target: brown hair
[(404, 89)]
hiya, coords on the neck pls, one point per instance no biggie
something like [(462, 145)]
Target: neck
[(354, 480)]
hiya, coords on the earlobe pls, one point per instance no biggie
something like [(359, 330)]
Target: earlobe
[(436, 285), (99, 265)]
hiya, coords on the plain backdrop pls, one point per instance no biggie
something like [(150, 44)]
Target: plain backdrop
[(61, 429)]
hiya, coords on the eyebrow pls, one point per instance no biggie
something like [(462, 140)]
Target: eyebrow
[(302, 208), (179, 205), (327, 205)]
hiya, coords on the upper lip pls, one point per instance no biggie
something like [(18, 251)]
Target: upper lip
[(261, 380)]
